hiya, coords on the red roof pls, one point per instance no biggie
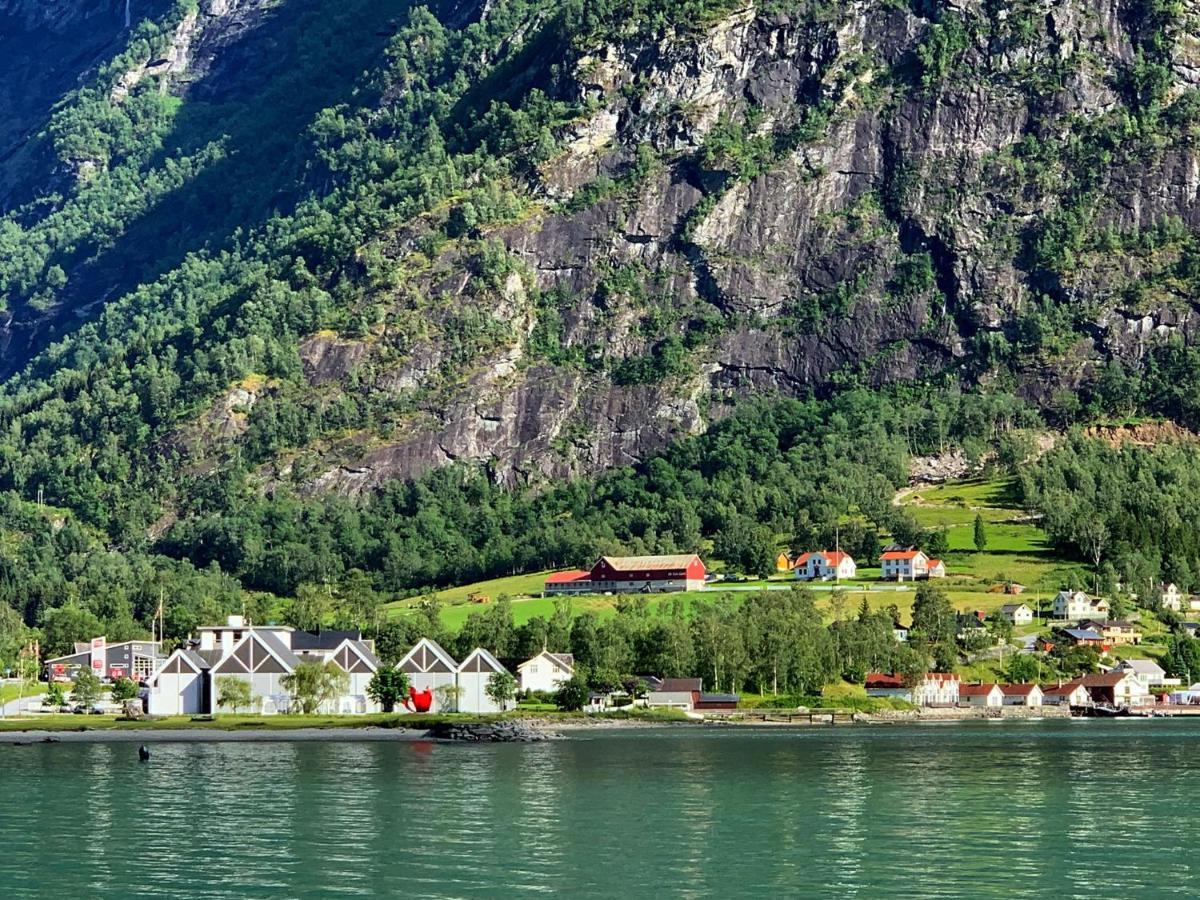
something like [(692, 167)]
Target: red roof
[(900, 554), (941, 676), (880, 680), (564, 577), (934, 563), (833, 557), (1068, 688), (976, 690), (1017, 690)]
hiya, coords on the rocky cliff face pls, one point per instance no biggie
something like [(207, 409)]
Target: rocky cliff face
[(842, 201), (790, 196)]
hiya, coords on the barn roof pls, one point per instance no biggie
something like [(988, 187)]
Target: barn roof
[(566, 577), (650, 563)]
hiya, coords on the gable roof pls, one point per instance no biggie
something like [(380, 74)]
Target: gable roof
[(322, 640), (1106, 679), (1067, 687), (341, 656), (934, 563), (832, 557), (1083, 634), (901, 554), (480, 660), (563, 660), (425, 656), (1013, 607), (975, 690), (243, 652), (884, 680), (649, 563), (567, 577), (1143, 667), (679, 685)]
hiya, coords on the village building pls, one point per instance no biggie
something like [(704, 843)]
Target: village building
[(825, 565), (932, 689), (675, 693), (1083, 637), (188, 681), (935, 569), (430, 668), (783, 562), (899, 632), (1193, 603), (474, 673), (1070, 693), (1022, 694), (1116, 689), (1078, 605), (1191, 629), (632, 575), (1172, 597), (127, 659), (1152, 676), (1189, 696), (898, 563), (1115, 633), (1017, 614), (545, 672), (986, 695), (970, 624)]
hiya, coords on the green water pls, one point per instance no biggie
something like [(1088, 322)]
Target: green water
[(1049, 809)]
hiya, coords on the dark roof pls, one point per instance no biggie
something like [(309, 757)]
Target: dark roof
[(718, 698), (202, 659), (679, 685), (272, 641), (323, 640), (567, 660), (1083, 634)]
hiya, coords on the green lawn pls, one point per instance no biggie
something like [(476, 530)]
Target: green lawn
[(10, 692)]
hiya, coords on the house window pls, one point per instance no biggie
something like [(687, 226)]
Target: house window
[(533, 669)]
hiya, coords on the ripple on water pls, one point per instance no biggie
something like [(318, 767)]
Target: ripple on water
[(1045, 810)]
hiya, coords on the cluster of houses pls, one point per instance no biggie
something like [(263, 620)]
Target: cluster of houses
[(896, 563), (188, 680), (1132, 683)]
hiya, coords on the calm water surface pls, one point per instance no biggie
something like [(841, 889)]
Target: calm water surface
[(1049, 809)]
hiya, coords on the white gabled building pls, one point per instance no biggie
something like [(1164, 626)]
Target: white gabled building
[(546, 671), (474, 673), (1017, 614), (903, 564), (1172, 598), (429, 667), (188, 681), (825, 565), (1078, 605)]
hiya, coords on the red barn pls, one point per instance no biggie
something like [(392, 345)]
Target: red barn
[(648, 574), (632, 575)]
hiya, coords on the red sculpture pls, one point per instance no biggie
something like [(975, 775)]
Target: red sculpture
[(418, 701)]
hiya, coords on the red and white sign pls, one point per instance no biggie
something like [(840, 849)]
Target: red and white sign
[(99, 653)]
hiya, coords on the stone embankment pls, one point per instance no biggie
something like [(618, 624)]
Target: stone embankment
[(488, 732)]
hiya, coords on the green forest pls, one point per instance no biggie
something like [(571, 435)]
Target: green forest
[(202, 234)]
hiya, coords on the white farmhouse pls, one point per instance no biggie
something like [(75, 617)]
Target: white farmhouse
[(1172, 598), (1017, 614), (985, 695), (903, 564), (546, 671), (823, 565), (1078, 605)]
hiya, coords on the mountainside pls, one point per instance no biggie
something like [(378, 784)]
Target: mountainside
[(264, 247)]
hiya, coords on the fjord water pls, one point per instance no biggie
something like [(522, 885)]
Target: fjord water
[(1037, 809)]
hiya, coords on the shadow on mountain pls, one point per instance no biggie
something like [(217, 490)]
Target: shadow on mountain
[(258, 97)]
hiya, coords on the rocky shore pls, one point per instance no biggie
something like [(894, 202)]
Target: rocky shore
[(510, 731)]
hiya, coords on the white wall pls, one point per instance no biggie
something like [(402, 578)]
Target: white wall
[(177, 695), (474, 698)]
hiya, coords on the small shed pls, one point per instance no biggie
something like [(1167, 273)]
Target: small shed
[(473, 676)]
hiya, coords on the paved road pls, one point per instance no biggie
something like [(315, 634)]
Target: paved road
[(17, 707)]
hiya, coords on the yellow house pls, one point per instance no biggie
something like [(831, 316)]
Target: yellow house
[(783, 562)]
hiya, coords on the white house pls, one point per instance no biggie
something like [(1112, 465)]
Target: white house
[(934, 688), (899, 632), (429, 667), (1022, 694), (1172, 598), (474, 673), (935, 569), (1148, 672), (546, 671), (824, 565), (985, 695), (1017, 614), (1078, 605), (903, 564), (188, 682), (1071, 693)]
